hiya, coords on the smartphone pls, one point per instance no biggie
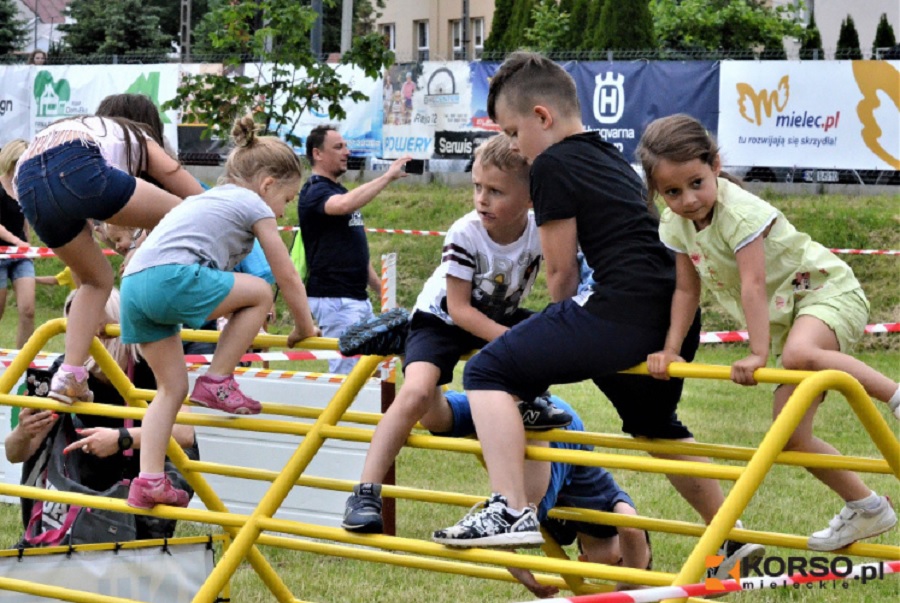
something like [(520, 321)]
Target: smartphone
[(414, 166)]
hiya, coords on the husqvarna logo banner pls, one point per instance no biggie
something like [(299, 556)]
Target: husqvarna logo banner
[(834, 115), (619, 99), (609, 97)]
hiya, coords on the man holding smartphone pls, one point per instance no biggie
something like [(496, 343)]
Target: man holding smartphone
[(334, 237)]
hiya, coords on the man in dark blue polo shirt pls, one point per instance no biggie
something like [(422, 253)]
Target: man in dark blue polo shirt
[(334, 237)]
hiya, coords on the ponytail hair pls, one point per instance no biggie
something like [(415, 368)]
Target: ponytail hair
[(257, 156)]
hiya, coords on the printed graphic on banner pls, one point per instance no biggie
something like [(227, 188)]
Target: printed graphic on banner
[(619, 99), (15, 102), (458, 145), (433, 96), (481, 74), (781, 106), (70, 91)]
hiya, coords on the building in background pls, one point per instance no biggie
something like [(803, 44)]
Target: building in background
[(43, 18), (418, 30)]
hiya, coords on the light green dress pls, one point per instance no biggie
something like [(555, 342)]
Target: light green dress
[(802, 276)]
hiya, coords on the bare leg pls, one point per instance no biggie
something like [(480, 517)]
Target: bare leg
[(632, 541), (813, 346), (3, 296), (146, 207), (502, 437), (412, 403), (703, 494), (247, 302), (83, 256), (847, 484), (166, 358), (24, 288)]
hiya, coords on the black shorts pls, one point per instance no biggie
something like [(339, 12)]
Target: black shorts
[(432, 340), (566, 344)]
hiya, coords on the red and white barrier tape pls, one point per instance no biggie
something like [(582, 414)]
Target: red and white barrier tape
[(865, 572), (738, 336), (19, 253)]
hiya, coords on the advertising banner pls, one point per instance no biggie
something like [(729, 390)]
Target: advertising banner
[(619, 99), (68, 91), (15, 102), (422, 99), (838, 114)]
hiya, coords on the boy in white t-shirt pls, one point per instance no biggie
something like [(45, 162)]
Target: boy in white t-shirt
[(490, 260)]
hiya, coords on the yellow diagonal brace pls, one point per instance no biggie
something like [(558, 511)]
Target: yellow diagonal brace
[(773, 443), (281, 487)]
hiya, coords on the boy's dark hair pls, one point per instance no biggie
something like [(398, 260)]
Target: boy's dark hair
[(527, 79), (316, 139)]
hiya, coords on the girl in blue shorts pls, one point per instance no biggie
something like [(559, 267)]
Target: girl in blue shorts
[(181, 275), (85, 168)]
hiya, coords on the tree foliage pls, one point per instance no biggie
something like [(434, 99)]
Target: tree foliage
[(626, 24), (884, 35), (13, 30), (170, 15), (593, 32), (114, 28), (500, 24), (848, 41), (276, 34), (812, 42), (578, 22), (731, 25), (550, 27), (522, 19)]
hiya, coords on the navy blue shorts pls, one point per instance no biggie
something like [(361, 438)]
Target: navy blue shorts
[(566, 344), (432, 340), (592, 488), (63, 187)]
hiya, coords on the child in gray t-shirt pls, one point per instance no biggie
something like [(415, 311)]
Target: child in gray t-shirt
[(182, 275)]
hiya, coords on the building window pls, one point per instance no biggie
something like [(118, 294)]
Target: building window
[(456, 40), (389, 33), (477, 35), (422, 40)]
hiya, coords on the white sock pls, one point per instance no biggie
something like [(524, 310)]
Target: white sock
[(869, 503), (894, 402)]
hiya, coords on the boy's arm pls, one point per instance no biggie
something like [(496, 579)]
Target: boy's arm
[(266, 231), (465, 315), (685, 301), (751, 263), (528, 581), (559, 244)]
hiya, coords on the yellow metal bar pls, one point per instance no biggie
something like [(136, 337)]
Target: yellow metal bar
[(551, 548), (773, 442), (32, 347), (58, 592), (111, 546), (281, 487)]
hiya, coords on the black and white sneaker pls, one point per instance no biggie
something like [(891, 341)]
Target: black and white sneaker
[(363, 511), (494, 525), (734, 553), (541, 415)]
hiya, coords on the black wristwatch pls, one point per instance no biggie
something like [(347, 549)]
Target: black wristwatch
[(125, 439)]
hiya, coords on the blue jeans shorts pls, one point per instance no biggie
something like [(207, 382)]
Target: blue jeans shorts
[(13, 270), (158, 300), (63, 187)]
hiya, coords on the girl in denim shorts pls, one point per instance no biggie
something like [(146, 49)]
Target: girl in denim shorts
[(182, 274), (85, 168)]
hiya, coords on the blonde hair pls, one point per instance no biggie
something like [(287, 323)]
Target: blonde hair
[(10, 154), (122, 353), (498, 152), (257, 156)]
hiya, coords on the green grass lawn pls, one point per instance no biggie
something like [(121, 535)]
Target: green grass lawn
[(789, 500)]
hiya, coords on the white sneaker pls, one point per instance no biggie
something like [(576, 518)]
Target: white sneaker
[(851, 525)]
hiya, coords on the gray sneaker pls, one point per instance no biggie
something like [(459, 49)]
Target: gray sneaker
[(493, 526), (541, 415), (363, 511), (851, 525)]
